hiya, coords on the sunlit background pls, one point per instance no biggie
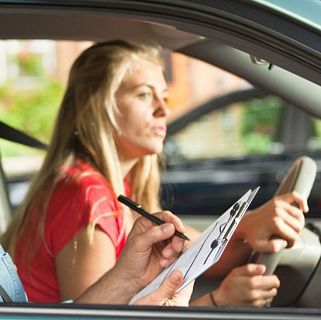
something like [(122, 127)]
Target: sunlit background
[(34, 73)]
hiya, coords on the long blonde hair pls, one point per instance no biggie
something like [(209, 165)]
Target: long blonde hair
[(84, 128)]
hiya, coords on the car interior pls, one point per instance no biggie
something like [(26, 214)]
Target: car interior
[(306, 252), (272, 63), (211, 168)]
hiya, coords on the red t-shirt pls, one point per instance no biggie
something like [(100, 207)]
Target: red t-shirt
[(81, 197)]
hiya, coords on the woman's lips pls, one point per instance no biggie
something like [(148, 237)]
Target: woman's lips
[(160, 131)]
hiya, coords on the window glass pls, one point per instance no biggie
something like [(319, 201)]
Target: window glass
[(34, 74), (32, 80), (258, 130), (242, 129), (314, 142)]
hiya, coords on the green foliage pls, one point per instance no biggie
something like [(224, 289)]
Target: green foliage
[(260, 121), (317, 127), (31, 111), (11, 149), (28, 63)]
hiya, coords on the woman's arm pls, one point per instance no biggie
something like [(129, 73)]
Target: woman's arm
[(82, 262), (148, 250), (244, 286), (277, 217)]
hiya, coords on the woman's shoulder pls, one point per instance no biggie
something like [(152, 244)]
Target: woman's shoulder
[(79, 188), (81, 175), (81, 197)]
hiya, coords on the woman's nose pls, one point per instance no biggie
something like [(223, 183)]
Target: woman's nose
[(161, 108)]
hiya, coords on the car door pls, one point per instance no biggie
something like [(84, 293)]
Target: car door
[(284, 36)]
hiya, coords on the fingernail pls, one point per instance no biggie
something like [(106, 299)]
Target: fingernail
[(168, 253), (281, 245), (260, 268), (175, 277), (181, 242), (167, 227)]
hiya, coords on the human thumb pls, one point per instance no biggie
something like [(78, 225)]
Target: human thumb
[(169, 286), (165, 291)]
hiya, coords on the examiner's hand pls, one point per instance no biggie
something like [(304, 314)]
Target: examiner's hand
[(165, 295), (277, 217), (247, 286), (149, 249)]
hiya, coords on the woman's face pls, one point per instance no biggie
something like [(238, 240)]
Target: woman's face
[(141, 100)]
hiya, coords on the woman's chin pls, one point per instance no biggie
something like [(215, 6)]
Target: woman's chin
[(154, 150)]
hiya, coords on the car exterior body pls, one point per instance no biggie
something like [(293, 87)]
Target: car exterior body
[(230, 34)]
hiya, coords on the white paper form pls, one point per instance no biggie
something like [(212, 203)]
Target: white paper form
[(208, 248)]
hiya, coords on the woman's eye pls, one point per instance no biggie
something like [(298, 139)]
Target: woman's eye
[(165, 99), (145, 95)]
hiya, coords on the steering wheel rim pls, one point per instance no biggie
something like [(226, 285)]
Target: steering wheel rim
[(300, 178)]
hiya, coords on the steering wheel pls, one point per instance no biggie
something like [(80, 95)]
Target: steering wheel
[(302, 261)]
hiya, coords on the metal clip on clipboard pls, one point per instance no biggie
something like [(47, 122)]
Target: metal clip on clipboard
[(234, 218), (208, 248)]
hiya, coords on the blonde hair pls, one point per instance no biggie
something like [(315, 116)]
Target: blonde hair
[(85, 128)]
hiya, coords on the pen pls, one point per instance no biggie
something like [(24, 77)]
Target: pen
[(138, 208)]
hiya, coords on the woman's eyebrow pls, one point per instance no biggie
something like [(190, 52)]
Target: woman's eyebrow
[(136, 86), (150, 86)]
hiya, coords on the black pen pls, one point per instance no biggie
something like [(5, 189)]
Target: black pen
[(138, 208)]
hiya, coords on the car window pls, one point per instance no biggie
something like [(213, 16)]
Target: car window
[(32, 84), (235, 131), (241, 129)]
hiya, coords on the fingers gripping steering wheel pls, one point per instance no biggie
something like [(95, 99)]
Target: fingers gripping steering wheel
[(299, 178)]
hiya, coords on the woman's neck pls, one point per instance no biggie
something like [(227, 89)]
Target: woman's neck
[(126, 165)]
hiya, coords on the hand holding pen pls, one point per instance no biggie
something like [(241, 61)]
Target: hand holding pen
[(138, 208)]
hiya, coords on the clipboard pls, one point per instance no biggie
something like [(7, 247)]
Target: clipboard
[(207, 249)]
